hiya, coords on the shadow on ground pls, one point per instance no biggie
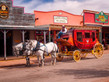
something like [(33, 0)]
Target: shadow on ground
[(83, 73), (34, 63)]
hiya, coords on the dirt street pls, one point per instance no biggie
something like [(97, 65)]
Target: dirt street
[(89, 69)]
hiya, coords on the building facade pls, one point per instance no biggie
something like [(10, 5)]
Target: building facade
[(15, 26), (95, 18)]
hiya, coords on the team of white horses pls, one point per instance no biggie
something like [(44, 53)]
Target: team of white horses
[(33, 47)]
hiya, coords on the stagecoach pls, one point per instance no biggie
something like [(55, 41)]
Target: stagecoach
[(78, 43)]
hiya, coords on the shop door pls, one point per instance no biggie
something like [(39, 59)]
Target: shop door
[(1, 45), (107, 37), (8, 44), (27, 35)]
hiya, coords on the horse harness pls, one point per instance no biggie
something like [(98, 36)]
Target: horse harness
[(21, 51), (38, 47)]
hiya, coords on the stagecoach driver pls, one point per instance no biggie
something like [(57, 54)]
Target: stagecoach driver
[(63, 31)]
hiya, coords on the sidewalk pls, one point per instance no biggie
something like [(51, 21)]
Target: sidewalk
[(15, 61), (11, 58)]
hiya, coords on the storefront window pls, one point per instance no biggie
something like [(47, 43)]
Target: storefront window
[(39, 32), (40, 36)]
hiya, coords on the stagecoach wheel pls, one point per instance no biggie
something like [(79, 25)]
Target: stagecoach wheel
[(98, 50), (59, 57), (76, 55)]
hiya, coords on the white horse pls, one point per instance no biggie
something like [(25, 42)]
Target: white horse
[(39, 49), (18, 49), (35, 48), (51, 48)]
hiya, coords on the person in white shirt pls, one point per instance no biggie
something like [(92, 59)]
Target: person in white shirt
[(63, 31)]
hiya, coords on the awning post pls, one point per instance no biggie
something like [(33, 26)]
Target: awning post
[(100, 35), (44, 37), (5, 57), (23, 35), (49, 36)]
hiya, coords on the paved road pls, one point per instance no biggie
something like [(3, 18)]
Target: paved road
[(89, 69)]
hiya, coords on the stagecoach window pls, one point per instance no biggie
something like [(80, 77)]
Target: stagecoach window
[(87, 35), (93, 36), (79, 36)]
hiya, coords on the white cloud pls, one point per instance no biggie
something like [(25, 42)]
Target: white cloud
[(71, 6)]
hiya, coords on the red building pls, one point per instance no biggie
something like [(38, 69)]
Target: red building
[(94, 18), (58, 17)]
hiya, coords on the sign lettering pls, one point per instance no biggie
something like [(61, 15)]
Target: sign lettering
[(60, 19)]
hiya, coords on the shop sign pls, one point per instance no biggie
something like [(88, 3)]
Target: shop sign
[(60, 19), (101, 18), (4, 11)]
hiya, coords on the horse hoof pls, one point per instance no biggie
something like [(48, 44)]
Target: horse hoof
[(40, 65), (54, 64)]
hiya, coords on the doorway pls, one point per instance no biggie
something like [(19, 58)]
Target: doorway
[(8, 44)]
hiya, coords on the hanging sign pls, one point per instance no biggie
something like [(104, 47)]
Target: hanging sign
[(4, 11), (60, 19), (101, 18)]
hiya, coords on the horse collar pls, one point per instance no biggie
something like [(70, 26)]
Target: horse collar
[(37, 46)]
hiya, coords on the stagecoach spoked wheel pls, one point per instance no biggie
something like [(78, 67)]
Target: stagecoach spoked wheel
[(98, 50), (76, 55), (59, 57)]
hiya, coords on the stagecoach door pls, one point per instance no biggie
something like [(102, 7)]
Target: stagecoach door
[(87, 37)]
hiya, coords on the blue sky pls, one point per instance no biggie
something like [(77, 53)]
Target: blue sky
[(71, 6)]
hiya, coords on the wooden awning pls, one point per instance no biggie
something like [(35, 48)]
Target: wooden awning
[(59, 27)]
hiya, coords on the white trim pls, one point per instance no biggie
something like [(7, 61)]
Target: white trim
[(106, 25), (92, 23), (97, 24)]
